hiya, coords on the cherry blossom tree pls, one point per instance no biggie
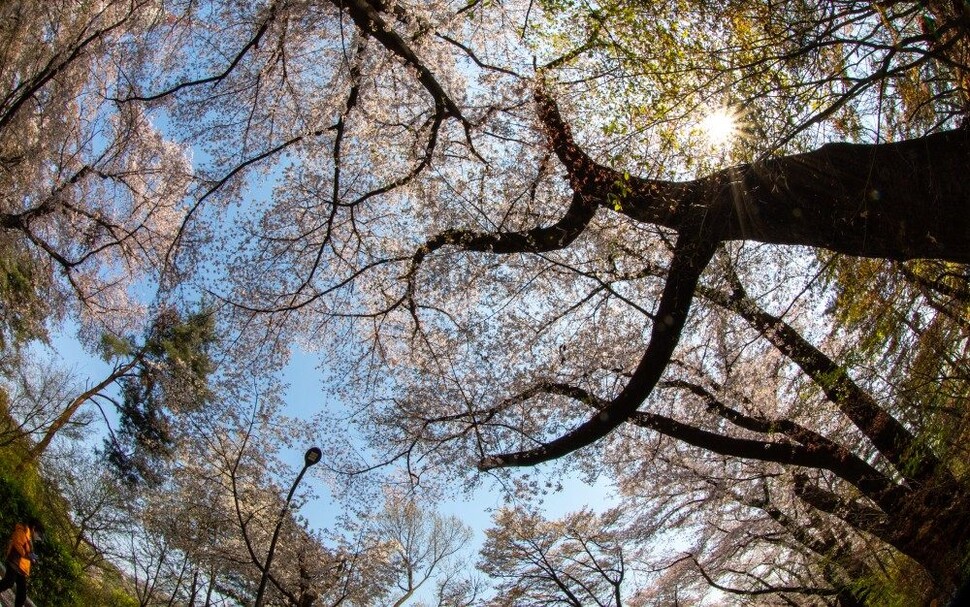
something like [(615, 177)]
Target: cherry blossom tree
[(93, 190), (500, 224), (578, 560), (422, 548)]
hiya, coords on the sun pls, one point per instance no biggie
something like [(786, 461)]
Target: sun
[(721, 127)]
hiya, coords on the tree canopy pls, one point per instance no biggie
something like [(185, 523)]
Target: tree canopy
[(504, 229)]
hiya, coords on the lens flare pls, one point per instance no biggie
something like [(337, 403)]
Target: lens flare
[(721, 127)]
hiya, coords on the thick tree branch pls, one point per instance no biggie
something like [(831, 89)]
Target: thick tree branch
[(780, 452), (831, 455), (937, 285), (601, 185), (65, 416), (825, 455), (858, 516), (537, 240), (372, 23), (886, 433), (690, 259), (849, 198)]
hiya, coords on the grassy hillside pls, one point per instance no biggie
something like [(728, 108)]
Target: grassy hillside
[(59, 578)]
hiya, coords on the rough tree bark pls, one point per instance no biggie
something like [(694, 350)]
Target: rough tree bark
[(897, 201)]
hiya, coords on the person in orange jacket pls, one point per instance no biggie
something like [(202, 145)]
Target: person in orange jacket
[(20, 555)]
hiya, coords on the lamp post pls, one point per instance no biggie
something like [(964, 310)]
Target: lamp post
[(311, 457)]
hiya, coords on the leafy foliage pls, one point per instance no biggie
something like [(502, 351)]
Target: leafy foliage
[(171, 380), (57, 579), (24, 309)]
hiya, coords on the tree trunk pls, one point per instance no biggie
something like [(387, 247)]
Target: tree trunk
[(65, 416), (903, 200)]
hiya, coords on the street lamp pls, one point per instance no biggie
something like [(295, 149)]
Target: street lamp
[(311, 457)]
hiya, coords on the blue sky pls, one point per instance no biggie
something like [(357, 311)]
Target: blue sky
[(303, 396)]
